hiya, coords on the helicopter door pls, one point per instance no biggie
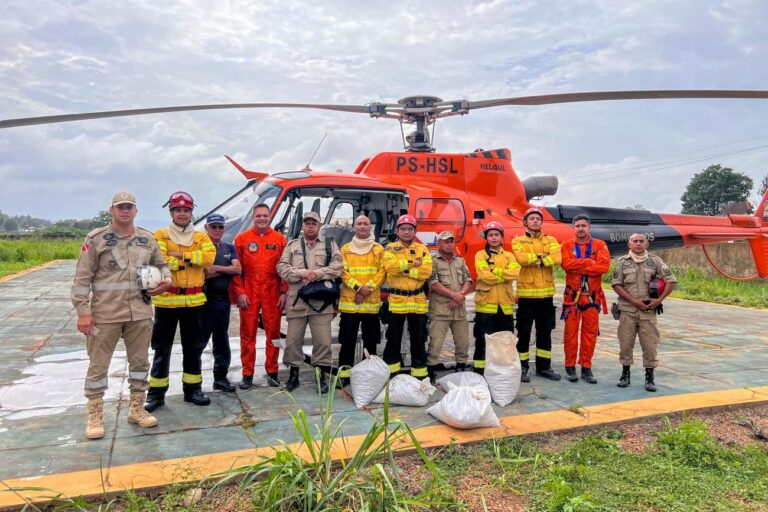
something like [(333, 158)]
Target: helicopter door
[(436, 215)]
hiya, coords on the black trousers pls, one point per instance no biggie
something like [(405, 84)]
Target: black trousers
[(541, 312), (489, 323), (190, 321), (349, 325), (417, 330), (216, 324)]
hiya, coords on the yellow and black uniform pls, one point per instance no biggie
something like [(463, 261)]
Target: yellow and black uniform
[(494, 297), (407, 300), (537, 254), (181, 305), (363, 266)]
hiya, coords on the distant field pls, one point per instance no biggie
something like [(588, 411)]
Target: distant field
[(18, 255)]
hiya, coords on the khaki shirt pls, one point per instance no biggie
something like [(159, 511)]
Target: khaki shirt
[(291, 269), (105, 284), (451, 274), (634, 277)]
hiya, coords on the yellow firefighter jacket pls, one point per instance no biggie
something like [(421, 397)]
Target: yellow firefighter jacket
[(495, 273), (406, 282), (362, 270), (536, 254), (187, 272)]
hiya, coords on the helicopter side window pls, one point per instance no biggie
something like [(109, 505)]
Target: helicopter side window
[(340, 223), (436, 215)]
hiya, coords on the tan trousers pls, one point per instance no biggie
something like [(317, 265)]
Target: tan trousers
[(101, 346), (438, 328), (630, 326), (319, 329)]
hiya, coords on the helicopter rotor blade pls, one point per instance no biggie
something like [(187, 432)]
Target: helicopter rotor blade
[(578, 97), (64, 118)]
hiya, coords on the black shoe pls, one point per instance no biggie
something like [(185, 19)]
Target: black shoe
[(432, 374), (197, 397), (153, 402), (223, 385), (570, 374), (460, 367), (586, 375), (649, 384), (524, 377), (246, 383), (624, 380), (293, 379), (479, 371), (344, 381), (322, 381), (273, 381), (548, 373)]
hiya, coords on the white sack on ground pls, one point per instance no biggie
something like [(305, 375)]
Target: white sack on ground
[(461, 379), (368, 378), (502, 367), (465, 407), (501, 348), (407, 390)]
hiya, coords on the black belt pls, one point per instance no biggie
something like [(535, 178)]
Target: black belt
[(406, 293)]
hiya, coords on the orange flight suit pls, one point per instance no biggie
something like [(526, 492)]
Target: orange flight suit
[(584, 266), (259, 255)]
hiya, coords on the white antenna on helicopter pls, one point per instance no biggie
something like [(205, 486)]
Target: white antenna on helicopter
[(316, 150)]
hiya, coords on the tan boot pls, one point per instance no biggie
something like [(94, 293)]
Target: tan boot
[(95, 428), (136, 412)]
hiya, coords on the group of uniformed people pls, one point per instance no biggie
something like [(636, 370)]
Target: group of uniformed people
[(264, 275)]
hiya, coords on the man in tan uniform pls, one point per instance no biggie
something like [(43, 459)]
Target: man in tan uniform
[(109, 304), (449, 283), (309, 258), (639, 305)]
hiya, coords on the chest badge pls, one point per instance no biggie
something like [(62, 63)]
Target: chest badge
[(253, 247)]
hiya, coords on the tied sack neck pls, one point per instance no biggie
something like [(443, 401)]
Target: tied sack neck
[(638, 258), (361, 245), (181, 235)]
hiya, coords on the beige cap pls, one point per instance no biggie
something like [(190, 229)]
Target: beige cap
[(311, 215), (445, 235), (123, 197)]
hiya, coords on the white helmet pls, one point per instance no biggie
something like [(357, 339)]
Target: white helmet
[(149, 276)]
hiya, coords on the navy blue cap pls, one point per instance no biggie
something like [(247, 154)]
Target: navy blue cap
[(215, 218)]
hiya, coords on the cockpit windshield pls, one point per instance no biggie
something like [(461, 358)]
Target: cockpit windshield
[(237, 209)]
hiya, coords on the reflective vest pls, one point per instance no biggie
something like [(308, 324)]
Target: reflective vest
[(187, 272), (495, 272), (402, 276), (536, 254), (362, 269)]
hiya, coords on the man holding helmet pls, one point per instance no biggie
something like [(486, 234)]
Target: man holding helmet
[(537, 254), (110, 304), (408, 265), (187, 252)]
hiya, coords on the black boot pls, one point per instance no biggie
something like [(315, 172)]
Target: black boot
[(196, 396), (624, 379), (586, 375), (322, 381), (153, 402), (293, 379), (548, 373), (273, 381), (524, 377), (247, 382), (570, 374), (223, 384), (460, 367), (649, 384), (478, 370), (432, 373)]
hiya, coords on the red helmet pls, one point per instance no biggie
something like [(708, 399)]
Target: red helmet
[(180, 200), (533, 209), (493, 225), (407, 219)]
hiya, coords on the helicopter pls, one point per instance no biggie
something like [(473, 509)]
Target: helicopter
[(460, 192)]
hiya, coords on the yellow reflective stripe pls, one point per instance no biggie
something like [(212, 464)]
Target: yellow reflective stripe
[(176, 301), (154, 382), (513, 265), (344, 372), (507, 308), (479, 363), (419, 372), (407, 307), (403, 265), (351, 307), (427, 257), (173, 263), (352, 283), (547, 260), (208, 246), (543, 353), (532, 258), (362, 270), (554, 246), (486, 308), (413, 273), (524, 356), (498, 271), (371, 284), (535, 292), (394, 368), (196, 258), (190, 378), (481, 264)]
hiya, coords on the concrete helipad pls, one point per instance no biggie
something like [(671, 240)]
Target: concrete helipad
[(710, 355)]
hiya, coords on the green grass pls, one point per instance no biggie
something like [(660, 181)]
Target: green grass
[(18, 255)]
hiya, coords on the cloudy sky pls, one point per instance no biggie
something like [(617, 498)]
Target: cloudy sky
[(79, 56)]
